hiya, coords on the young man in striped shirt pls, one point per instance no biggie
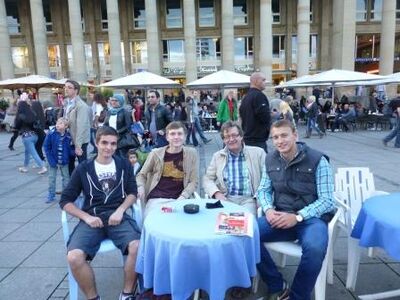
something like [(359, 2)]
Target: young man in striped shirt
[(296, 195)]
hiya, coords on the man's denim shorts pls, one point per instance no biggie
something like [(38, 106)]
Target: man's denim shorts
[(88, 239)]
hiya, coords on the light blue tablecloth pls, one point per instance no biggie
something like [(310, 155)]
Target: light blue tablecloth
[(180, 253), (378, 224)]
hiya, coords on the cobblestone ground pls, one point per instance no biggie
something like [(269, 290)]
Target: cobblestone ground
[(32, 253)]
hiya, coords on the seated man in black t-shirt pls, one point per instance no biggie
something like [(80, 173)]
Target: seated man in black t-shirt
[(171, 172)]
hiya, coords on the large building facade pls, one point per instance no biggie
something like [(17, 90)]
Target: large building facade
[(99, 40)]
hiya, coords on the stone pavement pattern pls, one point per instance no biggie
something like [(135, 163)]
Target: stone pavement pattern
[(32, 253)]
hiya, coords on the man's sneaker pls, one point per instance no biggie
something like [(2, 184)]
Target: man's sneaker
[(42, 171), (50, 198), (282, 294), (206, 141), (384, 143), (23, 170)]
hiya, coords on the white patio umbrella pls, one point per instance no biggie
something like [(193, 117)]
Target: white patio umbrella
[(141, 80), (333, 78), (221, 79), (31, 81)]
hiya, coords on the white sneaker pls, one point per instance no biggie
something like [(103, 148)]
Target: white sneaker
[(23, 170), (42, 171)]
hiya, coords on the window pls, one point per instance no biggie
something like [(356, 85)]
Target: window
[(53, 52), (276, 12), (173, 51), (313, 45), (139, 15), (294, 48), (82, 18), (239, 12), (104, 18), (243, 48), (47, 15), (174, 14), (20, 57), (208, 49), (397, 9), (376, 10), (13, 24), (278, 46), (361, 10), (367, 46), (89, 59), (139, 52), (206, 13)]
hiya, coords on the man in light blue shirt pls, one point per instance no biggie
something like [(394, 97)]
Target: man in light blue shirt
[(296, 195)]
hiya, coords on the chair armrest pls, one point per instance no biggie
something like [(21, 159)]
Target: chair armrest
[(65, 228), (196, 196), (259, 212), (137, 213), (378, 193)]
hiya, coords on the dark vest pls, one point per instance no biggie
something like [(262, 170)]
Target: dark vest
[(294, 185)]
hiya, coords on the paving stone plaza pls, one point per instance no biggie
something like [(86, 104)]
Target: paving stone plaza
[(32, 252)]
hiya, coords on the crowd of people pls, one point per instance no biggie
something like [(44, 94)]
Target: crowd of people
[(293, 183)]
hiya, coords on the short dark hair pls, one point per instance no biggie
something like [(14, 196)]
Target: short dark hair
[(283, 123), (228, 125), (76, 85), (175, 125), (155, 92), (132, 152), (105, 130)]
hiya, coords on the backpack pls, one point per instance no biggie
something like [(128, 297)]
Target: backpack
[(103, 115)]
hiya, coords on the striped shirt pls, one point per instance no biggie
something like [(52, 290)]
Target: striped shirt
[(325, 202), (236, 175)]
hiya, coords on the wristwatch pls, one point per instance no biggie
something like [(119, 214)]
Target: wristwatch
[(299, 218)]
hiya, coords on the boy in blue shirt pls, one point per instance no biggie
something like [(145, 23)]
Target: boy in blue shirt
[(58, 149)]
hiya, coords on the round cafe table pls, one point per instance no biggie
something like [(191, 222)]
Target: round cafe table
[(378, 225), (180, 253)]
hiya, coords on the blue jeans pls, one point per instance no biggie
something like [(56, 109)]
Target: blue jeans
[(93, 139), (30, 150), (52, 178), (394, 133), (192, 133), (313, 238), (197, 125), (311, 123)]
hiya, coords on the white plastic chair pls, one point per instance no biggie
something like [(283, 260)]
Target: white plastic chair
[(294, 249), (353, 186), (106, 245)]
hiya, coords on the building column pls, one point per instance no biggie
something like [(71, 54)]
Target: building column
[(303, 37), (387, 37), (114, 38), (325, 56), (189, 21), (153, 37), (344, 33), (265, 61), (40, 38), (79, 70), (228, 42), (6, 63)]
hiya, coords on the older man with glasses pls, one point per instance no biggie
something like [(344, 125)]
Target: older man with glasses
[(157, 117), (234, 173)]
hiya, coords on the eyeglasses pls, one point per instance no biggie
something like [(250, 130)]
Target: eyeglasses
[(231, 136)]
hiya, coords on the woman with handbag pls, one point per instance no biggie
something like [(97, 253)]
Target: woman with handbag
[(121, 119), (24, 122)]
